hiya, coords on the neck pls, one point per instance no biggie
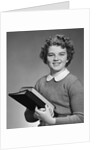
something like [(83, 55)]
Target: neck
[(53, 72)]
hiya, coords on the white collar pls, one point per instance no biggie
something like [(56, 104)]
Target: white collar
[(59, 76)]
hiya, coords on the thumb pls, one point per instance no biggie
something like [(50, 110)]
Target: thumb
[(36, 109), (46, 106)]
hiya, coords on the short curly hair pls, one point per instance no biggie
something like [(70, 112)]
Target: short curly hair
[(58, 40)]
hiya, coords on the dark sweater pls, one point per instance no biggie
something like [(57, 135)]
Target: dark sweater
[(67, 97)]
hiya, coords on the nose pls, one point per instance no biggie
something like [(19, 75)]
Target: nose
[(55, 57)]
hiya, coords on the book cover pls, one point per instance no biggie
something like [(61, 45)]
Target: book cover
[(31, 99)]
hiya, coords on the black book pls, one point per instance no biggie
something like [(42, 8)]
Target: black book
[(31, 99)]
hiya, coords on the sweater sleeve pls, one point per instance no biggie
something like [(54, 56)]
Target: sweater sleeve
[(76, 104), (77, 99)]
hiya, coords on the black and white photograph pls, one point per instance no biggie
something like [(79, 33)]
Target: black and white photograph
[(52, 63), (44, 77), (48, 50)]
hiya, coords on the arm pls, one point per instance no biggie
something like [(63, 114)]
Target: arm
[(76, 104)]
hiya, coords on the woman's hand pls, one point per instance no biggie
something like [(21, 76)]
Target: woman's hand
[(45, 115)]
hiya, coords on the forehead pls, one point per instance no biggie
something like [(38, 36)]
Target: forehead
[(56, 49)]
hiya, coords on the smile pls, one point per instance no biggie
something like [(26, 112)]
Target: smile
[(56, 63)]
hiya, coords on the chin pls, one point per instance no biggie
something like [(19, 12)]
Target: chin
[(56, 69)]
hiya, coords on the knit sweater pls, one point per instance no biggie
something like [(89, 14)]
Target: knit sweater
[(67, 97)]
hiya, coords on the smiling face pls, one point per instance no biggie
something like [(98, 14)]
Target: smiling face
[(56, 58)]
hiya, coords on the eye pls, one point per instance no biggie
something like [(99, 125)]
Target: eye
[(50, 54), (62, 54)]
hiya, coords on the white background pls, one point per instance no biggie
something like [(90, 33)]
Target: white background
[(94, 68)]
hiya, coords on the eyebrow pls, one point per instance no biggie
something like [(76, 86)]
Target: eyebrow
[(62, 52), (54, 53)]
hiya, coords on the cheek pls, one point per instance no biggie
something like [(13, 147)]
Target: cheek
[(64, 59), (49, 59)]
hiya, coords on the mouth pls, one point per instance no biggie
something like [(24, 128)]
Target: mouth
[(56, 63)]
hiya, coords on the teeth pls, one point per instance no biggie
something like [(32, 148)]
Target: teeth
[(56, 64)]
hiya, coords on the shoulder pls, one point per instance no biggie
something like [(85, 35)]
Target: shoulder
[(72, 81), (40, 82), (70, 78)]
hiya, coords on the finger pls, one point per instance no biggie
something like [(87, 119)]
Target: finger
[(37, 115), (42, 109), (46, 107), (39, 111), (36, 109)]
